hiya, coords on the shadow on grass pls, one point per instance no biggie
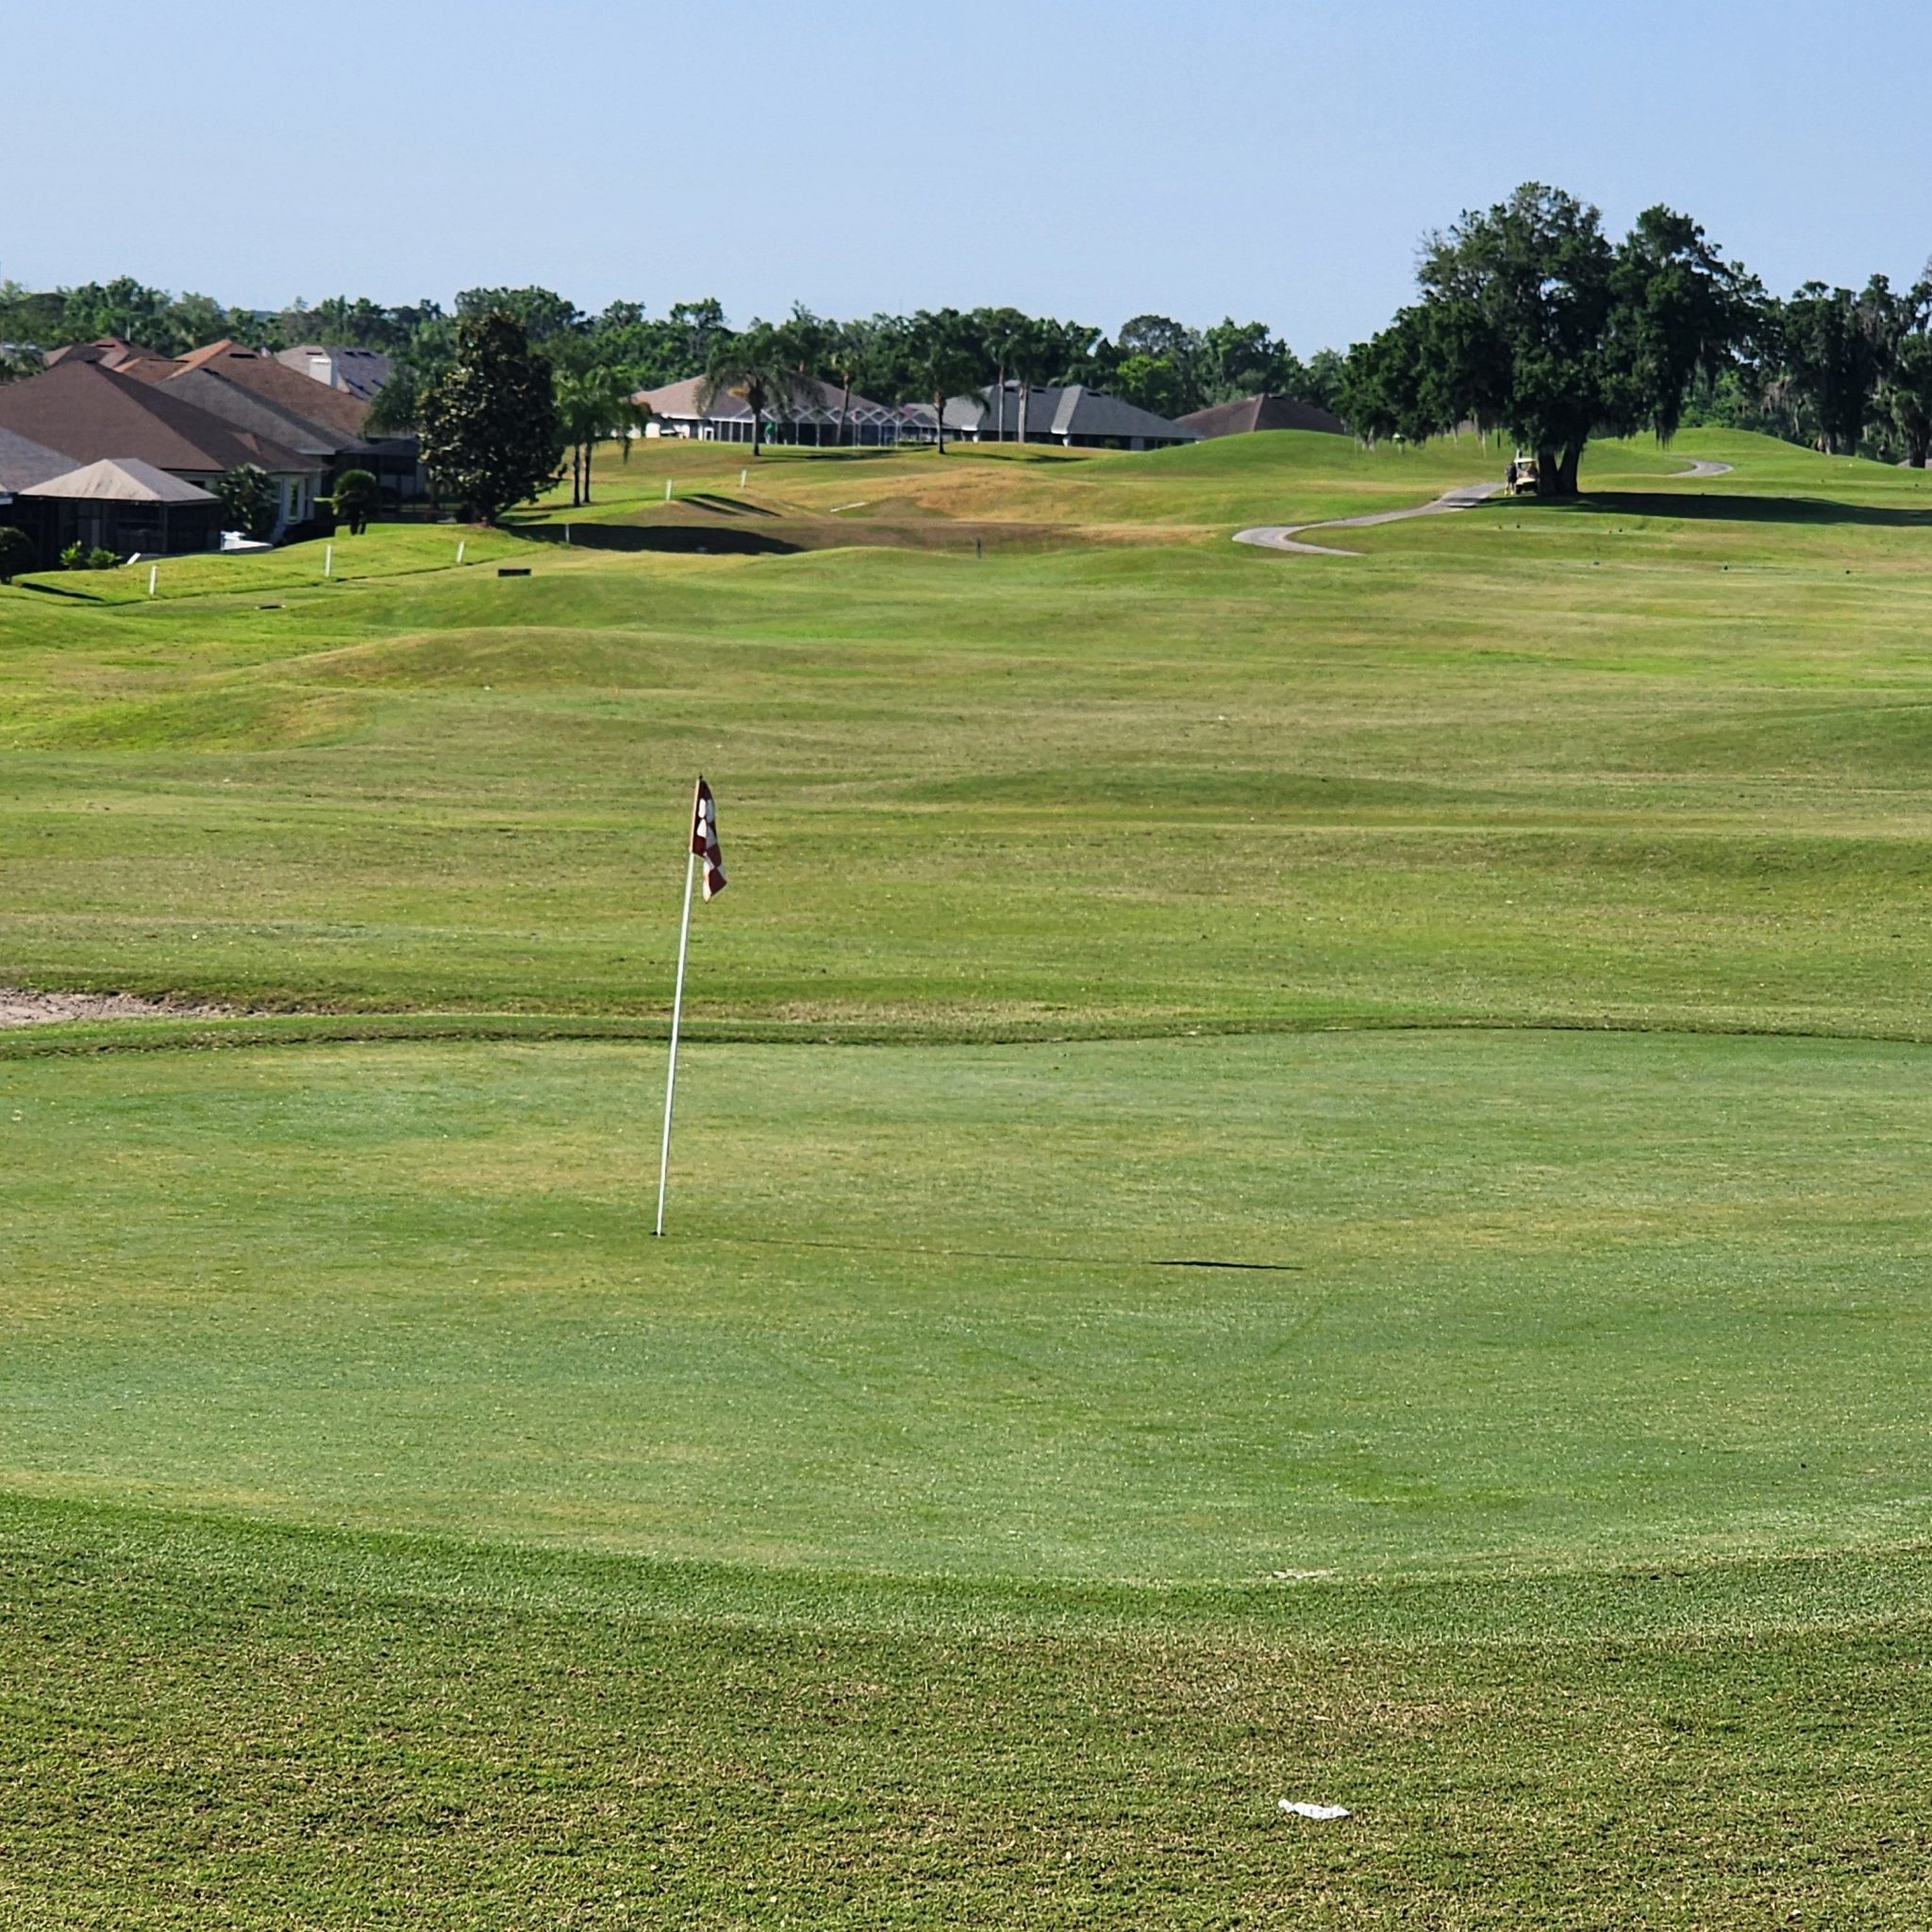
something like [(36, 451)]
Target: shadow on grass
[(1740, 509), (59, 590), (726, 506), (689, 539)]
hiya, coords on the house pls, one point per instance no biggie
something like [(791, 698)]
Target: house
[(812, 417), (1250, 413), (89, 411), (360, 371), (1076, 417), (124, 506), (111, 352), (256, 391), (24, 463)]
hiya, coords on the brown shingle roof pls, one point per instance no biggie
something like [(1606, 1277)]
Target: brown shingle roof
[(87, 413), (334, 409), (679, 402), (24, 461)]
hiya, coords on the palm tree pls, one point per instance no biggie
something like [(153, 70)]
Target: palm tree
[(628, 419), (576, 412), (945, 361), (759, 368), (846, 353), (1003, 331), (593, 404)]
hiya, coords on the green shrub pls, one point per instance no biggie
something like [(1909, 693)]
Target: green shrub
[(355, 499), (250, 501), (16, 553)]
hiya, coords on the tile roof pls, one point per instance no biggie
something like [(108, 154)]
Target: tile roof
[(87, 413)]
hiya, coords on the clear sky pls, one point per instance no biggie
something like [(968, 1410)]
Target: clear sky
[(1087, 158)]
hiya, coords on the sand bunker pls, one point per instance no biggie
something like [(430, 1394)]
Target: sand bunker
[(22, 1007)]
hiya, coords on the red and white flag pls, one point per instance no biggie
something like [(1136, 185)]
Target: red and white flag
[(704, 839)]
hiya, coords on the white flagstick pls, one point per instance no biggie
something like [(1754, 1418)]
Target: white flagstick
[(690, 873)]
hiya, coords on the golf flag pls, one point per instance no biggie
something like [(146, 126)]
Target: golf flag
[(704, 839), (703, 844)]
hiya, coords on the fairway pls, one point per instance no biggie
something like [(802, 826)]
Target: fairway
[(1297, 1178)]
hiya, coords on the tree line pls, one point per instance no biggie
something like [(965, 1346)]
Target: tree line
[(1532, 323), (1162, 364)]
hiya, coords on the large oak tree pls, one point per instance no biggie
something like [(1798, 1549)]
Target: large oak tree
[(1532, 322)]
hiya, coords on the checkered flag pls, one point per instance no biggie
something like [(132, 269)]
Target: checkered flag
[(704, 839), (703, 844)]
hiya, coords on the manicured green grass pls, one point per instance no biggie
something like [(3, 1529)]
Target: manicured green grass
[(1497, 1301), (1506, 945), (1607, 767), (383, 550)]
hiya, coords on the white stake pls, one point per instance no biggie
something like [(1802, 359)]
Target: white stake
[(742, 477), (461, 543), (328, 560), (566, 533), (154, 569), (667, 489), (690, 873)]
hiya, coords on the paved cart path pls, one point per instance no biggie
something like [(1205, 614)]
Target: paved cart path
[(1465, 497), (1282, 535)]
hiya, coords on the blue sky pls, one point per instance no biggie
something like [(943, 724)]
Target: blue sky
[(1085, 160)]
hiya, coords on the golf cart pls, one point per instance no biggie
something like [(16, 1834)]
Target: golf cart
[(1521, 481)]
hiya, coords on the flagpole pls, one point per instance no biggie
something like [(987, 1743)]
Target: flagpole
[(690, 873)]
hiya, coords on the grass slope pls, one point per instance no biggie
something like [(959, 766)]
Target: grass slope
[(1610, 765), (206, 1725)]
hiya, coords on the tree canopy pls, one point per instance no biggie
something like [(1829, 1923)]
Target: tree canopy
[(489, 427), (1532, 322), (1528, 321)]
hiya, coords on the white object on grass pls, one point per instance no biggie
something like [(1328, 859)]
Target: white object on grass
[(1322, 1813), (461, 543)]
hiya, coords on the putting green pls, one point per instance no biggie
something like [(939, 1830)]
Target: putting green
[(1478, 1299)]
